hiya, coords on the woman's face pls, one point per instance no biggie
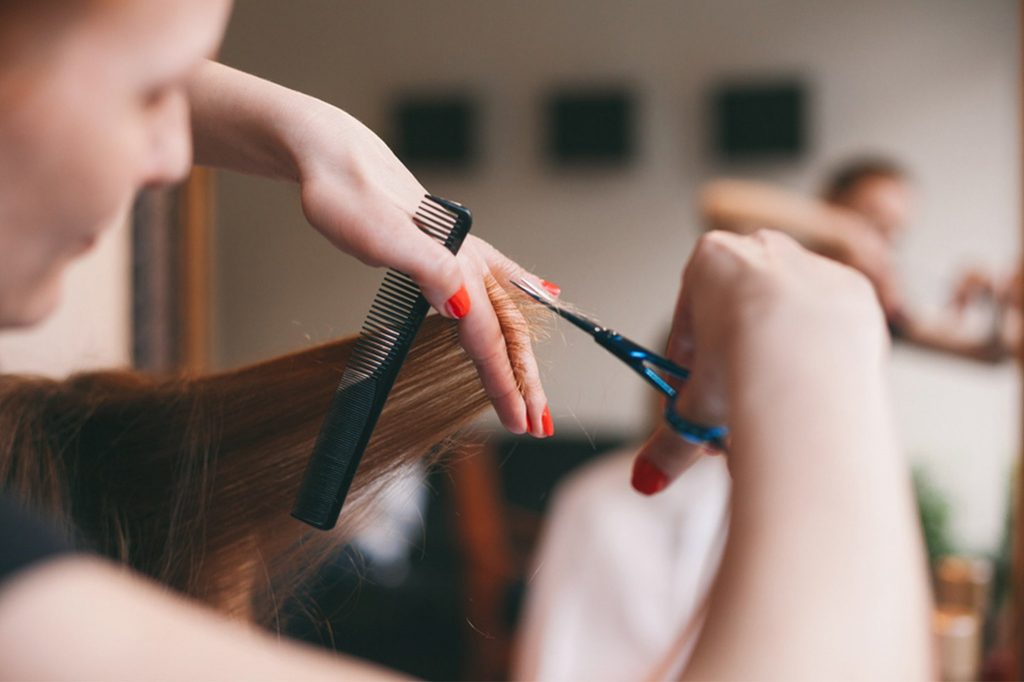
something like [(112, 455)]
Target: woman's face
[(93, 109), (885, 201)]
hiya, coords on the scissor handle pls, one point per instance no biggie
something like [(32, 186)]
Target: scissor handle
[(697, 434), (643, 362), (663, 363)]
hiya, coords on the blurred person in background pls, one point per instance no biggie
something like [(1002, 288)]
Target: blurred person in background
[(865, 205), (1000, 294), (649, 564)]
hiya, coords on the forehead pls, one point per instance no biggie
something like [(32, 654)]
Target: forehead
[(888, 184), (161, 35)]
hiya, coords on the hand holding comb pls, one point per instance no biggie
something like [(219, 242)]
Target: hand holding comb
[(390, 327)]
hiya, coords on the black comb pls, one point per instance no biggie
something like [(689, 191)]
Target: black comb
[(388, 332)]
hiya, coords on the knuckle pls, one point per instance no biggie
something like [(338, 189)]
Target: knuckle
[(536, 398), (530, 376), (495, 355), (500, 394), (483, 338), (714, 251), (709, 247), (450, 270), (443, 274), (710, 241)]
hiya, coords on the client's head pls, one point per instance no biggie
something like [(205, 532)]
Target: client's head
[(94, 108), (876, 188)]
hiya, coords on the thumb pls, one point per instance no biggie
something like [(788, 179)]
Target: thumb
[(662, 459)]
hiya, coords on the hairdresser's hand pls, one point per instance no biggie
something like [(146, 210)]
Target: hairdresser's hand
[(758, 314), (361, 197), (974, 285), (353, 189), (358, 194)]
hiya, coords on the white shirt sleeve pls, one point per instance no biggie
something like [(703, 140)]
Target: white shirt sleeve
[(618, 575)]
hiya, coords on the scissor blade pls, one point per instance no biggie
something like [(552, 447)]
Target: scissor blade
[(544, 299)]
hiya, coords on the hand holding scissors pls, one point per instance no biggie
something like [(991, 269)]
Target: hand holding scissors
[(644, 362)]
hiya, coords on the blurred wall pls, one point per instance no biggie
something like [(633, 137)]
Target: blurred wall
[(932, 82)]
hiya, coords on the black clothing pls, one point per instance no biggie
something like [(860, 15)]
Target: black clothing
[(25, 539)]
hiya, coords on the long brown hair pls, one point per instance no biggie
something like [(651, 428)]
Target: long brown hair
[(191, 480)]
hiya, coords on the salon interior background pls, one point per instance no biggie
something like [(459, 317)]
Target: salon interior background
[(934, 83)]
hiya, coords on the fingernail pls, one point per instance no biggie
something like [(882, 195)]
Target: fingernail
[(545, 421), (552, 288), (458, 305), (647, 478)]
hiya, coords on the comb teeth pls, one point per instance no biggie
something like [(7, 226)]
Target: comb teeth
[(385, 339), (436, 220), (385, 327)]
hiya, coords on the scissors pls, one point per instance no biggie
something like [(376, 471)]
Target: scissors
[(642, 361)]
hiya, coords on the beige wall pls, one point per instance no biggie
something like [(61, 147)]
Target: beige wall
[(933, 82)]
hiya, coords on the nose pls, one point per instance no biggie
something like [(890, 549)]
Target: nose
[(170, 146)]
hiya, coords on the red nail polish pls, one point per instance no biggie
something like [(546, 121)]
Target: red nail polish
[(647, 478), (458, 305), (545, 421), (552, 288)]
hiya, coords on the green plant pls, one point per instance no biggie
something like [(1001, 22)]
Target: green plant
[(934, 510)]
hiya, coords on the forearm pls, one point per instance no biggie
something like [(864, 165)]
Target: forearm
[(113, 626), (998, 346), (247, 124), (745, 207), (824, 555), (250, 125)]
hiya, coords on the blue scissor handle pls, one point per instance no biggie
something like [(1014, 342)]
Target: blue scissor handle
[(696, 433), (643, 362)]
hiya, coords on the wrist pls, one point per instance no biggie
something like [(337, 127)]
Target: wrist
[(303, 133), (247, 124), (801, 368), (331, 148), (797, 424), (799, 326), (323, 140)]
